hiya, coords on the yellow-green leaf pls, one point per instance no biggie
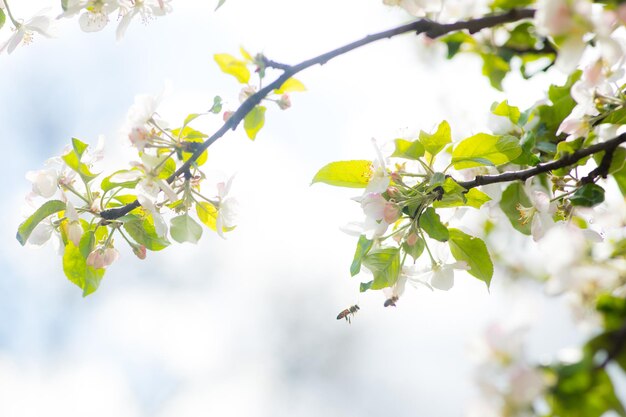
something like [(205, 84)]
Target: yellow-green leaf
[(352, 174), (233, 66), (254, 121), (207, 213), (289, 86), (483, 149)]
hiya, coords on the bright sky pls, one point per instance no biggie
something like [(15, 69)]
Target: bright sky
[(244, 326)]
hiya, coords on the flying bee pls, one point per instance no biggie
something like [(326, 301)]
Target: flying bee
[(391, 301), (345, 314)]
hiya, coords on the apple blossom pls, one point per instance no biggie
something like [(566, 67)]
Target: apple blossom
[(102, 257), (24, 32), (227, 208), (74, 229), (146, 9)]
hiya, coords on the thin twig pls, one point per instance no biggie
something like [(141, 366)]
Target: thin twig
[(428, 27), (563, 162)]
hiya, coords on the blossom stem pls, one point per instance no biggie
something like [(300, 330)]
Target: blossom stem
[(432, 259), (215, 203), (76, 193), (15, 22)]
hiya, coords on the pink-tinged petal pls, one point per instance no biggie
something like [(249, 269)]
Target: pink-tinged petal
[(74, 233)]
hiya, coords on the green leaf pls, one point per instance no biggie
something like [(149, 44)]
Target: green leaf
[(617, 117), (87, 243), (512, 197), (483, 149), (217, 105), (78, 272), (72, 159), (364, 286), (141, 229), (254, 121), (3, 18), (581, 390), (79, 147), (385, 265), (454, 42), (509, 4), (362, 247), (233, 66), (476, 198), (108, 183), (510, 112), (495, 68), (64, 5), (437, 141), (408, 150), (415, 250), (207, 213), (289, 86), (588, 195), (185, 229), (219, 4), (473, 251), (47, 209), (429, 222), (351, 174)]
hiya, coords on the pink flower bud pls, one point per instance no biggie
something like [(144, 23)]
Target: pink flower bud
[(391, 213), (396, 177), (227, 115), (411, 239), (140, 251), (285, 102), (102, 257), (392, 192)]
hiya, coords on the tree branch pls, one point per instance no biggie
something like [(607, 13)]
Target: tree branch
[(569, 159), (428, 27)]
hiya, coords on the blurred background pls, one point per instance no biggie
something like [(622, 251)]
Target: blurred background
[(245, 326)]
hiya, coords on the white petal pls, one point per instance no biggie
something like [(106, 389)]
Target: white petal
[(443, 279), (123, 25), (41, 234)]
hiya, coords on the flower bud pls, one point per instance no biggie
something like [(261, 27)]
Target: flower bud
[(411, 239), (285, 102), (227, 115), (140, 251), (391, 212)]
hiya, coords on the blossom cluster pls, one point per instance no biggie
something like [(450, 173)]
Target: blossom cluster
[(74, 207), (94, 15), (508, 383)]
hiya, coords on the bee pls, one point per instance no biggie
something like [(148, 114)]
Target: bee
[(391, 301), (345, 314)]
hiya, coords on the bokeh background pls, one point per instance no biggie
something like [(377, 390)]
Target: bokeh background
[(245, 326)]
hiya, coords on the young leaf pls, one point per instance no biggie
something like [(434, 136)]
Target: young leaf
[(415, 250), (26, 228), (219, 4), (3, 18), (207, 213), (588, 195), (289, 86), (385, 265), (111, 181), (362, 247), (78, 272), (437, 141), (217, 105), (185, 229), (407, 149), (513, 197), (72, 159), (79, 147), (254, 121), (430, 223), (473, 251), (142, 230), (233, 66), (351, 174), (510, 112), (483, 149)]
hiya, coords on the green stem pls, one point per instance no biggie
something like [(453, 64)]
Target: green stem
[(15, 22), (76, 193)]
